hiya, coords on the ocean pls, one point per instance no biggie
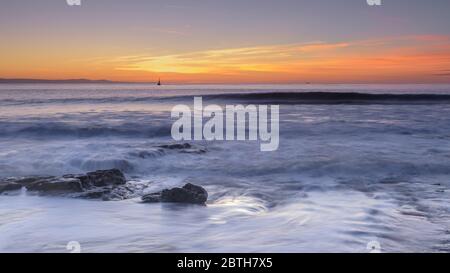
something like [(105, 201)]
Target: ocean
[(356, 164)]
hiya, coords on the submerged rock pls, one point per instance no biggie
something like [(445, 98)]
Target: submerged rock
[(176, 146), (185, 148), (144, 154), (189, 193)]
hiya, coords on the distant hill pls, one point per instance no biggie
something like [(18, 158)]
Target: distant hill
[(56, 81)]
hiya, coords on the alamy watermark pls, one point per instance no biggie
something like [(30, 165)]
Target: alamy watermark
[(374, 2), (236, 122), (73, 247), (73, 2), (374, 247)]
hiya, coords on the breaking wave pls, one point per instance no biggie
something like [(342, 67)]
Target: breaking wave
[(63, 129), (334, 98), (292, 97)]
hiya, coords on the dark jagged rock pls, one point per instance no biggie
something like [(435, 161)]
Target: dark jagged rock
[(185, 148), (102, 178), (176, 146), (102, 184), (97, 193), (152, 197), (56, 185), (189, 193), (9, 186), (193, 151), (112, 193), (165, 149), (144, 154), (26, 181)]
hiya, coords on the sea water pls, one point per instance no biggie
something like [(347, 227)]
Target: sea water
[(344, 175)]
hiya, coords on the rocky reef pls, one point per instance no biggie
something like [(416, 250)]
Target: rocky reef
[(107, 185), (102, 184)]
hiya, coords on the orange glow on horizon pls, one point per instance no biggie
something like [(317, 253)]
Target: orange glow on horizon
[(408, 59)]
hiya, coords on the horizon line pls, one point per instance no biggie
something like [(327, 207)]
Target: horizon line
[(106, 81)]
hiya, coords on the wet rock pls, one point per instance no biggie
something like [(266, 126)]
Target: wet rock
[(193, 151), (152, 197), (26, 181), (56, 185), (9, 186), (176, 146), (121, 193), (189, 193), (107, 185), (165, 149), (102, 178), (184, 148), (102, 184), (12, 184), (97, 193), (112, 193), (144, 154)]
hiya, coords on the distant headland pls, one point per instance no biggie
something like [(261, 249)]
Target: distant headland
[(72, 81)]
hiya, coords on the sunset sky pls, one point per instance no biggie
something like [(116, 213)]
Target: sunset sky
[(227, 41)]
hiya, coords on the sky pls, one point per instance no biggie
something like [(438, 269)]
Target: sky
[(227, 41)]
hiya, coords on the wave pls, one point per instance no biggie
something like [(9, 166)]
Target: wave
[(333, 98), (60, 129), (258, 97), (18, 102)]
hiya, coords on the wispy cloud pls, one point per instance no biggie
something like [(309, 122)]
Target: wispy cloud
[(230, 61), (369, 60), (443, 73), (424, 58), (170, 31)]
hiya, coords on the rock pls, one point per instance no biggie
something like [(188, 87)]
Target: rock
[(152, 198), (110, 193), (176, 146), (193, 151), (103, 178), (26, 181), (121, 193), (144, 154), (56, 185), (9, 186), (107, 185), (97, 193), (189, 193), (184, 148), (102, 184)]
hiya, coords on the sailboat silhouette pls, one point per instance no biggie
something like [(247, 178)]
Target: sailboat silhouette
[(159, 82)]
